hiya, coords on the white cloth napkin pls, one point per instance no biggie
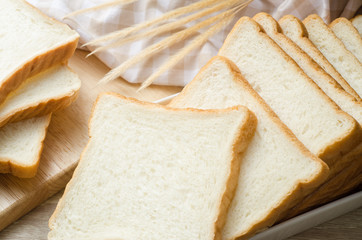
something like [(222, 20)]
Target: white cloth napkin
[(94, 24)]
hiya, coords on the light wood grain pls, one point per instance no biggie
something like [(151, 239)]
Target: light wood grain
[(35, 226), (66, 139)]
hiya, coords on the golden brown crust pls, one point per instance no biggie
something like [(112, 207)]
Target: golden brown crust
[(302, 34), (25, 171), (346, 180), (344, 176), (239, 146), (350, 31), (278, 32), (346, 23), (247, 131), (40, 109), (303, 187), (315, 18), (57, 54)]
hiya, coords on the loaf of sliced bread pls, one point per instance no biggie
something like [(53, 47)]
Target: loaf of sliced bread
[(345, 169), (276, 169), (312, 116), (294, 29), (21, 144), (344, 100), (30, 42), (349, 35), (152, 172), (357, 23), (335, 51), (46, 92)]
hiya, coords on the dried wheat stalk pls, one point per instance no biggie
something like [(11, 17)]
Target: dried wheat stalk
[(165, 43), (168, 27), (104, 5), (197, 42), (159, 25), (141, 26)]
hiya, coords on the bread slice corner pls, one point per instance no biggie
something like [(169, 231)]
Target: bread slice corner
[(357, 23), (21, 145), (335, 51), (349, 35)]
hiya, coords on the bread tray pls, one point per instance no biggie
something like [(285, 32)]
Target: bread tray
[(307, 220)]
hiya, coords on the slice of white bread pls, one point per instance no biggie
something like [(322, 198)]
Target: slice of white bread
[(312, 116), (294, 29), (344, 100), (349, 35), (30, 42), (21, 144), (335, 51), (46, 92), (276, 169), (152, 172), (357, 23)]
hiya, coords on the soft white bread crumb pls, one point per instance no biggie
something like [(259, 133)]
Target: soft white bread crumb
[(274, 168), (312, 116), (29, 43), (21, 144), (335, 51), (46, 92), (349, 35), (357, 23), (152, 172), (294, 29)]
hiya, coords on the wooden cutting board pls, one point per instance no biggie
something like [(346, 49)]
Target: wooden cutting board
[(67, 136)]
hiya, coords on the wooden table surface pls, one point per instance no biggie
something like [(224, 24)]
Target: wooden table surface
[(34, 224)]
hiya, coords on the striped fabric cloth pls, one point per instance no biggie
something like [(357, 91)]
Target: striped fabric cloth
[(94, 24)]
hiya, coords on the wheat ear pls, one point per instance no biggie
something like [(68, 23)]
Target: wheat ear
[(165, 43), (168, 27), (197, 42), (141, 26), (104, 5)]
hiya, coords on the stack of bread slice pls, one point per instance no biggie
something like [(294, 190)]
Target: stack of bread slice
[(34, 82), (188, 171), (289, 71)]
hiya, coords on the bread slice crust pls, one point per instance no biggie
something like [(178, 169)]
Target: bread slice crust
[(45, 106), (334, 51), (349, 35), (357, 23), (340, 183)]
